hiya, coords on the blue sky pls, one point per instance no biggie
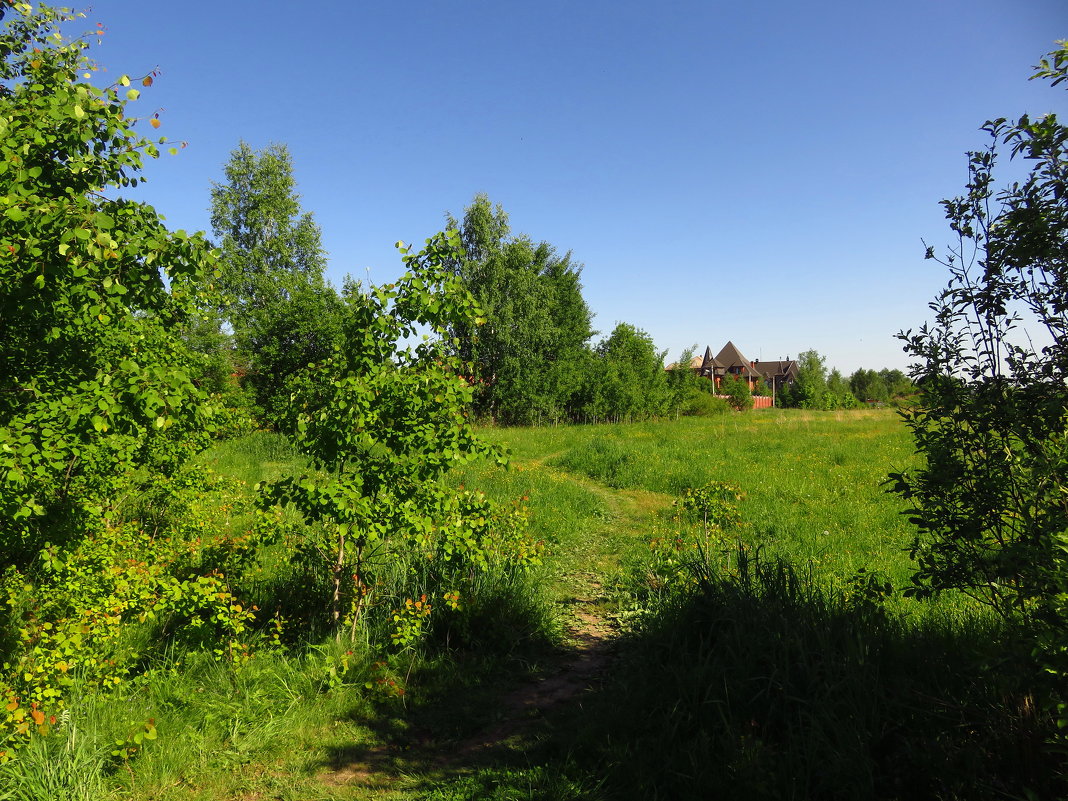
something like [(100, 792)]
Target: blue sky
[(762, 172)]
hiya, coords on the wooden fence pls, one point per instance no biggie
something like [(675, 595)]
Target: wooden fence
[(759, 401)]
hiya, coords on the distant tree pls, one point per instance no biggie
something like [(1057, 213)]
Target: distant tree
[(683, 382), (880, 386), (283, 313), (626, 379), (760, 387), (897, 383), (868, 385), (736, 390), (839, 395), (809, 390), (528, 352), (267, 244)]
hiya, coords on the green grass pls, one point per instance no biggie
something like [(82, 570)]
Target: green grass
[(764, 684), (813, 481), (770, 677)]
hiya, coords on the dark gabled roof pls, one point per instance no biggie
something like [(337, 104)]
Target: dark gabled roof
[(730, 357), (771, 369), (709, 362)]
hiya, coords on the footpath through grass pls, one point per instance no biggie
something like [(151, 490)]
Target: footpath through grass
[(779, 660), (813, 481)]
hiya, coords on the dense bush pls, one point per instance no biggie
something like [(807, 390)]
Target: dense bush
[(988, 502), (737, 392), (703, 404)]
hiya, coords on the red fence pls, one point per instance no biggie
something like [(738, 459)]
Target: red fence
[(759, 401)]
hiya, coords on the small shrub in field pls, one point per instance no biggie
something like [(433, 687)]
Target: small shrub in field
[(381, 422), (702, 404), (737, 391)]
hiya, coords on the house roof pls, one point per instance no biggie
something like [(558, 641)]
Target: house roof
[(730, 356), (708, 360), (781, 367), (696, 363)]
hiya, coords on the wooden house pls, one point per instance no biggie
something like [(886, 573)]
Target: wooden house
[(776, 374)]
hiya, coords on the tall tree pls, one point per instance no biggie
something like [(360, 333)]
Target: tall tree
[(868, 385), (91, 287), (809, 390), (839, 394), (527, 353), (267, 244), (283, 313), (625, 379)]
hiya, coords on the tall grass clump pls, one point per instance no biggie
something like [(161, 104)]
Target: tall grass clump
[(760, 683)]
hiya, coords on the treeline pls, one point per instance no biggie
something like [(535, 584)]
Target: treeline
[(531, 354), (818, 388)]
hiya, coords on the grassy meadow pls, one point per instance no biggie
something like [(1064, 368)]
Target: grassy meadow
[(775, 658), (812, 481)]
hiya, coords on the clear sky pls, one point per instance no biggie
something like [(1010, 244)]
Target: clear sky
[(762, 172)]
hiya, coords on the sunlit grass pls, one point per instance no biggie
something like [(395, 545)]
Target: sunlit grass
[(813, 481), (813, 496)]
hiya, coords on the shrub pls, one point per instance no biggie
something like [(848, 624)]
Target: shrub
[(702, 404), (737, 392)]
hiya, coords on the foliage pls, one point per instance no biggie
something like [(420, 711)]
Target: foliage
[(90, 286), (839, 395), (703, 521), (95, 611), (989, 500), (809, 389), (757, 682), (880, 386), (713, 503), (381, 421), (736, 390), (265, 240), (868, 387), (684, 382), (704, 404), (528, 355), (625, 380), (283, 313)]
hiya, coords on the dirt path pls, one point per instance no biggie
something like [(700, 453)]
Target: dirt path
[(571, 671)]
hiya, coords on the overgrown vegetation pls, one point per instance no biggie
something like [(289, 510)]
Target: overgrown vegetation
[(989, 500), (196, 604), (125, 560)]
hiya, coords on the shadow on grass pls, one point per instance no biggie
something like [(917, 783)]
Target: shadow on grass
[(762, 685), (757, 685)]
